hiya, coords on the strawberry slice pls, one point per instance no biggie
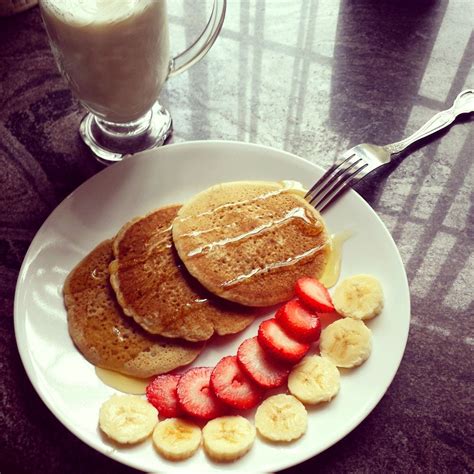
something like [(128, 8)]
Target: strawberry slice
[(314, 294), (298, 322), (279, 344), (232, 386), (261, 368), (195, 395), (161, 393)]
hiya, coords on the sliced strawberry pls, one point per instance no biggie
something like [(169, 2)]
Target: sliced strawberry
[(161, 393), (279, 344), (232, 386), (314, 294), (298, 322), (195, 395), (259, 366)]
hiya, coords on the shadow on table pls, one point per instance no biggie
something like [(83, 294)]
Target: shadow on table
[(382, 54)]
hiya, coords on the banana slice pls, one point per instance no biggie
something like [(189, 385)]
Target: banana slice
[(127, 418), (359, 297), (315, 379), (176, 439), (281, 418), (346, 342), (228, 437)]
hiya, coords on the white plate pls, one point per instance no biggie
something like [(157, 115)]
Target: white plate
[(96, 210)]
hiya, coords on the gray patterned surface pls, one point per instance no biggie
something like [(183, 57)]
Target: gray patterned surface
[(313, 78)]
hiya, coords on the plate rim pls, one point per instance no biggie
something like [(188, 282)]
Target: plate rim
[(160, 153)]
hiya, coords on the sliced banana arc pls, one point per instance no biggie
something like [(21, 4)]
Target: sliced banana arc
[(359, 297), (176, 439), (228, 438), (346, 342), (127, 419), (315, 379), (281, 418)]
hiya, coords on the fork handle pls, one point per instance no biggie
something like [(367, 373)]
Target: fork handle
[(464, 103)]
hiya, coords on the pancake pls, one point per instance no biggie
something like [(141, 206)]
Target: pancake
[(153, 286), (249, 241), (104, 335)]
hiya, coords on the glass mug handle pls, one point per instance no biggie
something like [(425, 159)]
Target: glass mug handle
[(202, 45)]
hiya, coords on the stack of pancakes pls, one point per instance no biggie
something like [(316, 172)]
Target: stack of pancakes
[(145, 302)]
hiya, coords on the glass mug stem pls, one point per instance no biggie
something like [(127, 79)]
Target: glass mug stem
[(128, 84), (111, 141)]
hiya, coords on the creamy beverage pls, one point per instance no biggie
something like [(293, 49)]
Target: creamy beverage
[(115, 56), (114, 53)]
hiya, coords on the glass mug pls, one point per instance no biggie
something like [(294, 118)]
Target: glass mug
[(115, 56)]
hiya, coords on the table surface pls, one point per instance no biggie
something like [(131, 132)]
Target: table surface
[(312, 78)]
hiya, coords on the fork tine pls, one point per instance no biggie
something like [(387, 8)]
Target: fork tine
[(326, 183), (329, 176), (334, 180), (346, 180)]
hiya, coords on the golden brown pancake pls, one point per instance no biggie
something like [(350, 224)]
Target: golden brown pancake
[(153, 286), (249, 241), (104, 335)]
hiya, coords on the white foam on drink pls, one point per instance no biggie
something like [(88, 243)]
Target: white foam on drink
[(85, 12)]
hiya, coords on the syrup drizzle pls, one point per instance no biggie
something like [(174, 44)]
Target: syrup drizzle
[(271, 266), (294, 186), (333, 266), (195, 303), (118, 333), (260, 197), (297, 212), (167, 229), (198, 232), (97, 274), (123, 383), (160, 244)]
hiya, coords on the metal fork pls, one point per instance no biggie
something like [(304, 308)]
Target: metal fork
[(357, 162)]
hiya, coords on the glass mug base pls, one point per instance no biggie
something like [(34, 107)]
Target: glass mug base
[(111, 142)]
